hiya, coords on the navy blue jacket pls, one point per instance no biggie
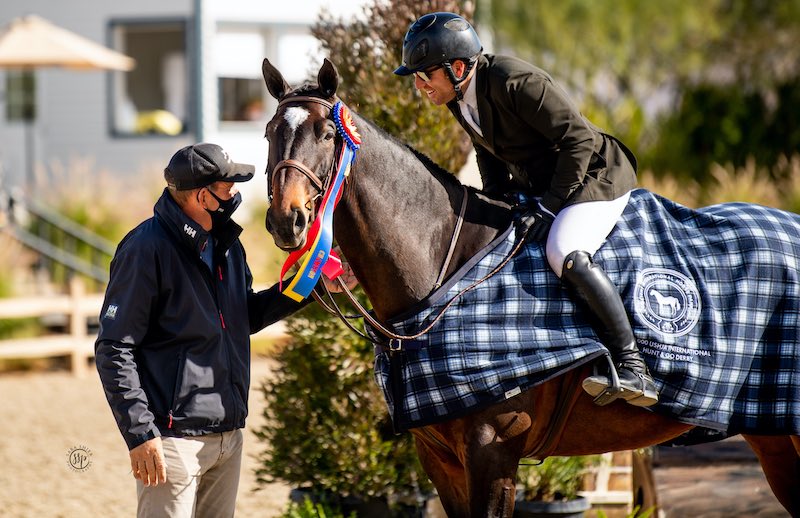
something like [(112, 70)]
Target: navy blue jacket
[(173, 350)]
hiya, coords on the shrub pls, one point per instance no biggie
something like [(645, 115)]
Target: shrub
[(326, 425), (556, 478)]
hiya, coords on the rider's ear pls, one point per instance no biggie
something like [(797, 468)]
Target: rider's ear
[(328, 78), (276, 84)]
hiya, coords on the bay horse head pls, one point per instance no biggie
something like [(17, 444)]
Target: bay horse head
[(302, 141)]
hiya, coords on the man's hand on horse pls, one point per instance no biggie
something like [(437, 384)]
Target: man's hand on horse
[(148, 464), (534, 224), (347, 276)]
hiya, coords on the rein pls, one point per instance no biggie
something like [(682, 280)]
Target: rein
[(352, 139), (396, 340)]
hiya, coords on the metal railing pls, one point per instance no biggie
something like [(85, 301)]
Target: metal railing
[(56, 238)]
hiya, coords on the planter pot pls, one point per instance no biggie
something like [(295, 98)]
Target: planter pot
[(370, 508), (564, 509)]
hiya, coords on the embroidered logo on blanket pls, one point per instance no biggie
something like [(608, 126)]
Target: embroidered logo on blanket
[(666, 301)]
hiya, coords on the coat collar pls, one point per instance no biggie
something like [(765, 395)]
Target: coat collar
[(188, 232), (481, 81)]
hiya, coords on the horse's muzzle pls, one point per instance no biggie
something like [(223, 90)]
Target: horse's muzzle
[(288, 230)]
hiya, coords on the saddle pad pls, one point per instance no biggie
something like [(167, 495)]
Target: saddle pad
[(714, 299)]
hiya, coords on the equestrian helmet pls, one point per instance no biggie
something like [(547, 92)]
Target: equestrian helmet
[(437, 38)]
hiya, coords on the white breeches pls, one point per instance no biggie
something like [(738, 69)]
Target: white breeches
[(582, 226)]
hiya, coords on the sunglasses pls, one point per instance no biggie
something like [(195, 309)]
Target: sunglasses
[(425, 75)]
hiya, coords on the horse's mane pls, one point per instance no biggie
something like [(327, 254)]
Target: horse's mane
[(435, 169)]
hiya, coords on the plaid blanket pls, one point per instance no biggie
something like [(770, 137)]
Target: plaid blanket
[(714, 298)]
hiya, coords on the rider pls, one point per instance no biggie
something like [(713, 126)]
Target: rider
[(576, 180)]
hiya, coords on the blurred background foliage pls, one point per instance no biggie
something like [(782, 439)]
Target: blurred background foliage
[(685, 84), (366, 52)]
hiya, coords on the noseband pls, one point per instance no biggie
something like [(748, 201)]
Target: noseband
[(291, 163)]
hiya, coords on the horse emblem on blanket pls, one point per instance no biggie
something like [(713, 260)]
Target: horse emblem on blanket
[(713, 295), (667, 301)]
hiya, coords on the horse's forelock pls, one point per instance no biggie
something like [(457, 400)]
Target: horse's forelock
[(308, 89)]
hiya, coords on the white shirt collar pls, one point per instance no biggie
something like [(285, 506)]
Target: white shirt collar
[(471, 99), (470, 96)]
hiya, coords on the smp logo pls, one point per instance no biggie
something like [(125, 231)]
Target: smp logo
[(667, 301), (189, 230)]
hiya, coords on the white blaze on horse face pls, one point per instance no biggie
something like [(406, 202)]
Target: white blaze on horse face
[(295, 116)]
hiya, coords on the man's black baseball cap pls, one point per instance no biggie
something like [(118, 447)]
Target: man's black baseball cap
[(200, 165)]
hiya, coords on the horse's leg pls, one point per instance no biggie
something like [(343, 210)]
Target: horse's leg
[(491, 466), (447, 474), (780, 459)]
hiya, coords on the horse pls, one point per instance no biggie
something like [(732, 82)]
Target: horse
[(394, 224)]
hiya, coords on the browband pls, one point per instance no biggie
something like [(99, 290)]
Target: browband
[(305, 98)]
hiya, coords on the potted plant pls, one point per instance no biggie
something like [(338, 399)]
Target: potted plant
[(326, 428), (551, 488)]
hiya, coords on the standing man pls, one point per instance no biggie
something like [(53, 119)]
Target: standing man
[(173, 351), (531, 139)]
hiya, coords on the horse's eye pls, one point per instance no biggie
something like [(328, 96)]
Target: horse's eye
[(329, 135)]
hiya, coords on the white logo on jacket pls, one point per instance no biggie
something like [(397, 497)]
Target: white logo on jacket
[(111, 312), (189, 230)]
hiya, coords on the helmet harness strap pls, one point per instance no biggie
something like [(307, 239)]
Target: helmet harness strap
[(448, 66)]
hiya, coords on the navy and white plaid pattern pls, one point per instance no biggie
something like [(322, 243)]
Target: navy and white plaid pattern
[(714, 298)]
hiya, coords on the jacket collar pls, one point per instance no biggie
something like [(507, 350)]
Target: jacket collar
[(481, 92), (188, 232)]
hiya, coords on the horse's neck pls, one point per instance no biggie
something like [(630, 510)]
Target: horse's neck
[(390, 222), (395, 222)]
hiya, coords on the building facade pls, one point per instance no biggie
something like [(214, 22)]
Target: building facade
[(197, 78)]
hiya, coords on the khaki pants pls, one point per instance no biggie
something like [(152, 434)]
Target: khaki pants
[(202, 478)]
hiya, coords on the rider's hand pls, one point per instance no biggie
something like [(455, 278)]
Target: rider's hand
[(534, 224)]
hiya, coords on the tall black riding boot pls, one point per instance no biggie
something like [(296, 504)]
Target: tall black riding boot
[(595, 293)]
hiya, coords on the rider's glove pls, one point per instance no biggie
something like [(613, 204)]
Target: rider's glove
[(534, 224)]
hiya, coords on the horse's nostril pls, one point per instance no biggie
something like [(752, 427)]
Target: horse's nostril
[(268, 223), (299, 220)]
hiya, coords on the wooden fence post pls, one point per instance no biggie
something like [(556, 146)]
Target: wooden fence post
[(77, 327)]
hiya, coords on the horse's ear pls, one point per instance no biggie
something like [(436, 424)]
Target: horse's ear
[(328, 78), (276, 84)]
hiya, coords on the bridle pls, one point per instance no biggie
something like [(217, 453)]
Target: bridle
[(290, 163)]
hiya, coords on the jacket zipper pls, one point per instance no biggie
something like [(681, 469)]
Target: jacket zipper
[(224, 345), (176, 389)]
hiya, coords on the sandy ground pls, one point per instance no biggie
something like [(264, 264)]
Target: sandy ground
[(43, 416), (713, 480)]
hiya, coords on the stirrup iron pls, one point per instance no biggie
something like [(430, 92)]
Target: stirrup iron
[(612, 393)]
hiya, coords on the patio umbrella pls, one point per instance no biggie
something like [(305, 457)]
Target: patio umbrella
[(32, 42)]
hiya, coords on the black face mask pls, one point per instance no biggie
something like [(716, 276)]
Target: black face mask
[(226, 208)]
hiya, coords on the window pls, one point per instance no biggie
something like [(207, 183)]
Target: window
[(238, 53), (237, 62), (20, 95), (153, 98), (241, 99)]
